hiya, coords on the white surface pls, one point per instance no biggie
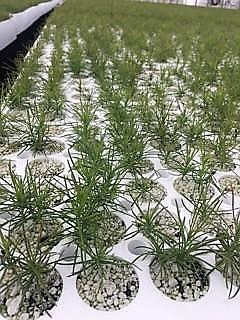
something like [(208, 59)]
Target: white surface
[(11, 28), (149, 303)]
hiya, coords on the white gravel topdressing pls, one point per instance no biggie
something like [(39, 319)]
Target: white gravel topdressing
[(5, 167), (16, 305), (111, 289), (187, 285), (190, 189), (230, 183), (46, 167), (144, 189)]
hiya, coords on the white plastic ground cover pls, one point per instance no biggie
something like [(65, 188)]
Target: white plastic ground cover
[(149, 302), (234, 4), (11, 28)]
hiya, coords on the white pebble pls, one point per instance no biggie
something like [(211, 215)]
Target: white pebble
[(13, 305), (109, 302), (115, 302), (172, 282), (100, 297), (24, 316), (53, 291)]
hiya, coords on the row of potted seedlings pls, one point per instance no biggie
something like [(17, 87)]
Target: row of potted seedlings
[(35, 220), (23, 209), (70, 200)]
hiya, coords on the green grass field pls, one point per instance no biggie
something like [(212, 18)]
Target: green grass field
[(13, 6), (217, 28)]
